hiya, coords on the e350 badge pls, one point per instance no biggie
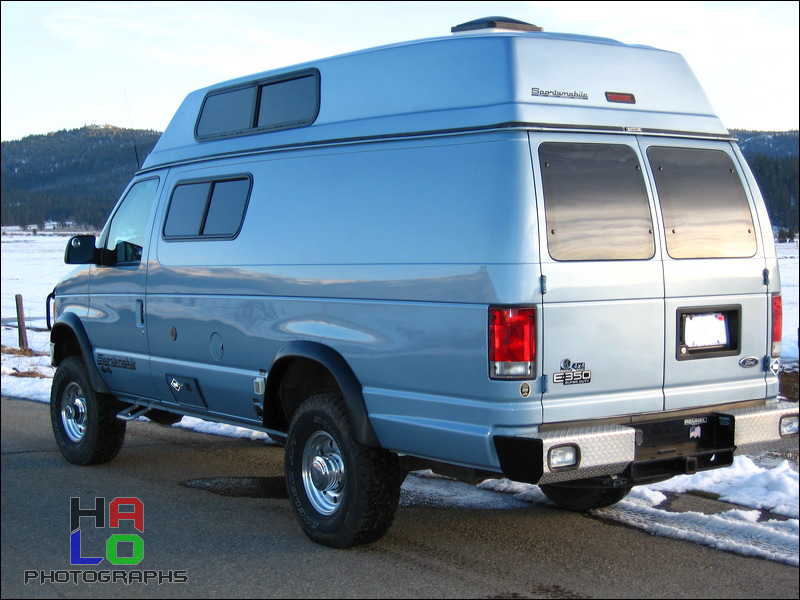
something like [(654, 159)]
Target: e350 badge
[(572, 373)]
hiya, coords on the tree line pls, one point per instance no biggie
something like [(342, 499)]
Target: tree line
[(73, 176), (778, 180)]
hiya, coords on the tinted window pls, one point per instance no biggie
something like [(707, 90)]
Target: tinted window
[(596, 205), (207, 209), (186, 210), (227, 113), (288, 102), (226, 208), (704, 205)]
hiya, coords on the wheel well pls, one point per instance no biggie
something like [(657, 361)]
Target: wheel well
[(296, 380), (303, 369), (69, 338), (65, 344)]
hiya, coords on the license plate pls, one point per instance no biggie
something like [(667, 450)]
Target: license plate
[(708, 330)]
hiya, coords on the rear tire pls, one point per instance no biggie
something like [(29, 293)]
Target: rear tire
[(84, 422), (574, 497), (343, 494)]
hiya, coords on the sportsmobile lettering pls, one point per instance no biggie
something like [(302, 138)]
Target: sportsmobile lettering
[(558, 94), (104, 360)]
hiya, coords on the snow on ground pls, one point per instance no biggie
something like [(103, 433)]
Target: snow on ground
[(766, 526)]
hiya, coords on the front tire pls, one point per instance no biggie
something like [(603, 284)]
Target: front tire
[(343, 494), (84, 422)]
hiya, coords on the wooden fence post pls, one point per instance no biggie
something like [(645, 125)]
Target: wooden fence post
[(23, 333)]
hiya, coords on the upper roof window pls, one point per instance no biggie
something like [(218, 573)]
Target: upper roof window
[(284, 102)]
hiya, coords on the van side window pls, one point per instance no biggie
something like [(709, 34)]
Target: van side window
[(227, 113), (596, 205), (128, 227), (207, 209), (283, 102), (704, 205)]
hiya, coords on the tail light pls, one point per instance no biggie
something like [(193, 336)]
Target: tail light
[(777, 324), (512, 343)]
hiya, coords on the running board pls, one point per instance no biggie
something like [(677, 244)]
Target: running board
[(133, 412)]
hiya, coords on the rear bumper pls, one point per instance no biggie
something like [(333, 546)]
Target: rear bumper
[(647, 450)]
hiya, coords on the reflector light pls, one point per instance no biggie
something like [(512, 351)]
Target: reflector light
[(562, 457), (788, 426), (512, 342), (777, 324), (621, 97)]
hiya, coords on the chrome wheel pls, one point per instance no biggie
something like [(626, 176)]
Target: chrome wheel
[(84, 422), (343, 493), (73, 412), (323, 473)]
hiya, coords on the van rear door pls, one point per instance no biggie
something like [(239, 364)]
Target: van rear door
[(715, 278), (603, 308)]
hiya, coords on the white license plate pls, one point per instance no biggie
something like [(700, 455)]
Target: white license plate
[(707, 330)]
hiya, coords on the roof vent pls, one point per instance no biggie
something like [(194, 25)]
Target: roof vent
[(495, 23)]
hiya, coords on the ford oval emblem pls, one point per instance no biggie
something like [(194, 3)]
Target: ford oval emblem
[(748, 362)]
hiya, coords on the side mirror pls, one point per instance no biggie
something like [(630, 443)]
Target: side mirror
[(80, 250)]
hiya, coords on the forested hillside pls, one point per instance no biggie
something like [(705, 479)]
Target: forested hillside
[(773, 158), (77, 175), (74, 175)]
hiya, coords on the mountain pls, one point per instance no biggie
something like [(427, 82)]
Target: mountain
[(775, 144), (78, 175), (74, 175)]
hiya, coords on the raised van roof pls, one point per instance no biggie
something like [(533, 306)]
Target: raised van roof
[(491, 73)]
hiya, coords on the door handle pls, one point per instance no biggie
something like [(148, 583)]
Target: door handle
[(140, 315)]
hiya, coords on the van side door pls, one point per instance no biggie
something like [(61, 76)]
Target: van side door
[(203, 351), (603, 306), (117, 293)]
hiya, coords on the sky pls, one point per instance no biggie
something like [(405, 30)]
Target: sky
[(130, 64), (763, 520)]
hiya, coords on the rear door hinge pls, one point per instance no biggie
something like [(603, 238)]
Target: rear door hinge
[(766, 277), (543, 283)]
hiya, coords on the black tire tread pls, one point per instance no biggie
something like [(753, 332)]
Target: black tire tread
[(105, 440), (377, 481)]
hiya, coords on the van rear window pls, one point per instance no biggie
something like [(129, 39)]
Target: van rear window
[(596, 205), (705, 208)]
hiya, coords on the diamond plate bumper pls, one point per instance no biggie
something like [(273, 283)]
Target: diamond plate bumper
[(605, 450), (756, 429)]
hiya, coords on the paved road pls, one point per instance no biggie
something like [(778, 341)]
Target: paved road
[(216, 515)]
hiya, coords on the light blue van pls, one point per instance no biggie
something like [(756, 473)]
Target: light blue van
[(500, 253)]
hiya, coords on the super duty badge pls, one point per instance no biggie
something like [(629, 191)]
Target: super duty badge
[(572, 373)]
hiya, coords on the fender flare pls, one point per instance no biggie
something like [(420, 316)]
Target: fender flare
[(70, 322), (344, 376)]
